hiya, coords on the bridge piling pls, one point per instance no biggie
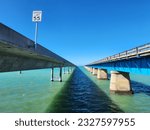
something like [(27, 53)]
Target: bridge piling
[(71, 69), (64, 70), (52, 74), (87, 68), (120, 82), (60, 74), (102, 74), (91, 69), (94, 72), (68, 70)]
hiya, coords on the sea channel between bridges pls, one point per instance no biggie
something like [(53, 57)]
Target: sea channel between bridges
[(78, 91)]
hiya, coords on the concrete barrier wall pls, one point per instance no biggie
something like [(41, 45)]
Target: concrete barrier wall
[(15, 39), (12, 37)]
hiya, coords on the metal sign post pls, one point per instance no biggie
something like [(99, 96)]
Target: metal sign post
[(36, 32), (36, 17)]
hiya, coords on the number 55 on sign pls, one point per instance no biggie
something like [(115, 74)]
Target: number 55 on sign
[(37, 16)]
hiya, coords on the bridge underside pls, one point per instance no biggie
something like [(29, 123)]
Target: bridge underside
[(17, 52), (16, 59), (15, 63)]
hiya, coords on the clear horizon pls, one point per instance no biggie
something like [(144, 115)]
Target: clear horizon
[(81, 31)]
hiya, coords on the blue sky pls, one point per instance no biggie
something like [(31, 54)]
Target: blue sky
[(82, 31)]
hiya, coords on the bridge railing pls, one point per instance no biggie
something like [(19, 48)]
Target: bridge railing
[(139, 51), (145, 48)]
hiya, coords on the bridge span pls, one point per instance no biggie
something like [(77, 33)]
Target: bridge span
[(18, 53), (136, 60)]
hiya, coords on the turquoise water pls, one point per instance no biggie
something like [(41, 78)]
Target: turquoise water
[(138, 102), (32, 91), (87, 94)]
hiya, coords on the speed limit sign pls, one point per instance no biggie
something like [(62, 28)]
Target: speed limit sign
[(37, 16)]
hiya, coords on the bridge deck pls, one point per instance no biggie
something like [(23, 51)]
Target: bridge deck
[(18, 53), (137, 52), (136, 60)]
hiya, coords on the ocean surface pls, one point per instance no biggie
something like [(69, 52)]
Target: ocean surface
[(80, 91)]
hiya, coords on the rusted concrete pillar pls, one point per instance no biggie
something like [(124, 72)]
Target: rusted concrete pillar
[(120, 82), (94, 71), (102, 74)]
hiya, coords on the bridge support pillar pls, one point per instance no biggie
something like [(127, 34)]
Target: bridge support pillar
[(52, 74), (120, 82), (71, 69), (91, 70), (94, 72), (102, 74), (64, 70), (60, 74), (68, 70), (87, 68)]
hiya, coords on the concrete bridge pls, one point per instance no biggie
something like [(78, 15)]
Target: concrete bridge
[(18, 53), (136, 60)]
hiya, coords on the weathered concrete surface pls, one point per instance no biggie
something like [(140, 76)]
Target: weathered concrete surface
[(102, 74), (120, 82), (18, 53), (89, 69), (94, 72)]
